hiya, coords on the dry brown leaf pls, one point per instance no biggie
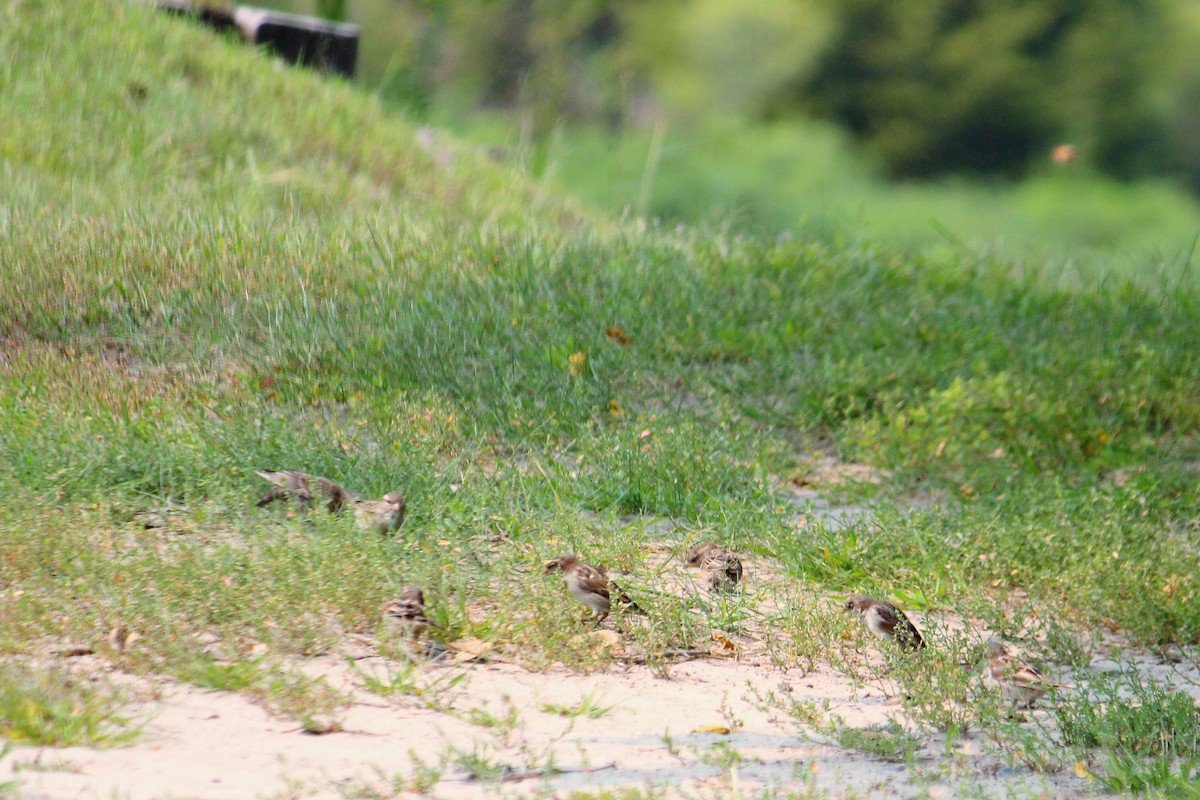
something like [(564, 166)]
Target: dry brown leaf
[(722, 645), (619, 335), (576, 362), (469, 649)]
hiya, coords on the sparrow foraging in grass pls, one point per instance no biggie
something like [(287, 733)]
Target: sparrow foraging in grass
[(405, 615), (304, 487), (1017, 680), (590, 586), (723, 566), (382, 516), (886, 621)]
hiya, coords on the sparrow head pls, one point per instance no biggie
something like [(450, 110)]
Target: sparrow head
[(413, 594), (563, 562), (859, 603), (395, 500)]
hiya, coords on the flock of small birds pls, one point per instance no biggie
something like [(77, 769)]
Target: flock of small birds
[(1018, 681)]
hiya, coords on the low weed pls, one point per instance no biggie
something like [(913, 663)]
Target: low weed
[(383, 786), (890, 742), (46, 705), (502, 724), (1139, 737), (408, 679), (589, 706), (7, 788), (281, 690)]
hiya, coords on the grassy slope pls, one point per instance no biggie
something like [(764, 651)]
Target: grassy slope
[(212, 263)]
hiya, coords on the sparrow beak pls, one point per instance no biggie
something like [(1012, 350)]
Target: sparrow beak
[(552, 564)]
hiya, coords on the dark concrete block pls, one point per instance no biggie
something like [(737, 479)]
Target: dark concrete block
[(297, 39), (310, 41)]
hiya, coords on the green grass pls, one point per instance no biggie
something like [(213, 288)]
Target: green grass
[(190, 291), (52, 706)]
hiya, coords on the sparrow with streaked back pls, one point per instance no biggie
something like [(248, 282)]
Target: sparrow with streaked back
[(1017, 680), (886, 621), (723, 567), (405, 614), (382, 516), (304, 487), (590, 586)]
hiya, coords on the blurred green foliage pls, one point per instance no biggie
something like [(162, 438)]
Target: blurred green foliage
[(946, 85), (929, 86)]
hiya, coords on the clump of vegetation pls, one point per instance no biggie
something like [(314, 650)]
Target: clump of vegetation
[(51, 706)]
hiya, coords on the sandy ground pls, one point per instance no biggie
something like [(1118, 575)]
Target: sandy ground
[(207, 744)]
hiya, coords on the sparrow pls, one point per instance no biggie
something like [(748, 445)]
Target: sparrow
[(288, 482), (382, 516), (1017, 680), (405, 615), (886, 621), (723, 566), (590, 586)]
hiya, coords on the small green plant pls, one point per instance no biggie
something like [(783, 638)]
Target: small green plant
[(478, 763), (1130, 717), (51, 706), (802, 712), (407, 679), (382, 786), (588, 706), (502, 723), (310, 701), (233, 676), (7, 788), (890, 742), (723, 756), (1161, 777)]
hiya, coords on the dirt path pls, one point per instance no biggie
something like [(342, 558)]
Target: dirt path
[(205, 744)]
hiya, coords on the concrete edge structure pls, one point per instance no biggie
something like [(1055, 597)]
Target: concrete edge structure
[(308, 41)]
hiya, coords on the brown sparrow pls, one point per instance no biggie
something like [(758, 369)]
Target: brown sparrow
[(382, 516), (723, 566), (406, 614), (590, 586), (886, 621), (1017, 680), (290, 482)]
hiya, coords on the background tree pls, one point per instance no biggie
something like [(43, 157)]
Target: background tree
[(990, 85)]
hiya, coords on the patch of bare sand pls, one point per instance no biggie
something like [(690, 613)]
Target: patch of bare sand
[(205, 744)]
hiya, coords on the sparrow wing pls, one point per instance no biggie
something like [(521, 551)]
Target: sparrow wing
[(1023, 674), (335, 493), (287, 482), (700, 554), (894, 621), (592, 579)]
